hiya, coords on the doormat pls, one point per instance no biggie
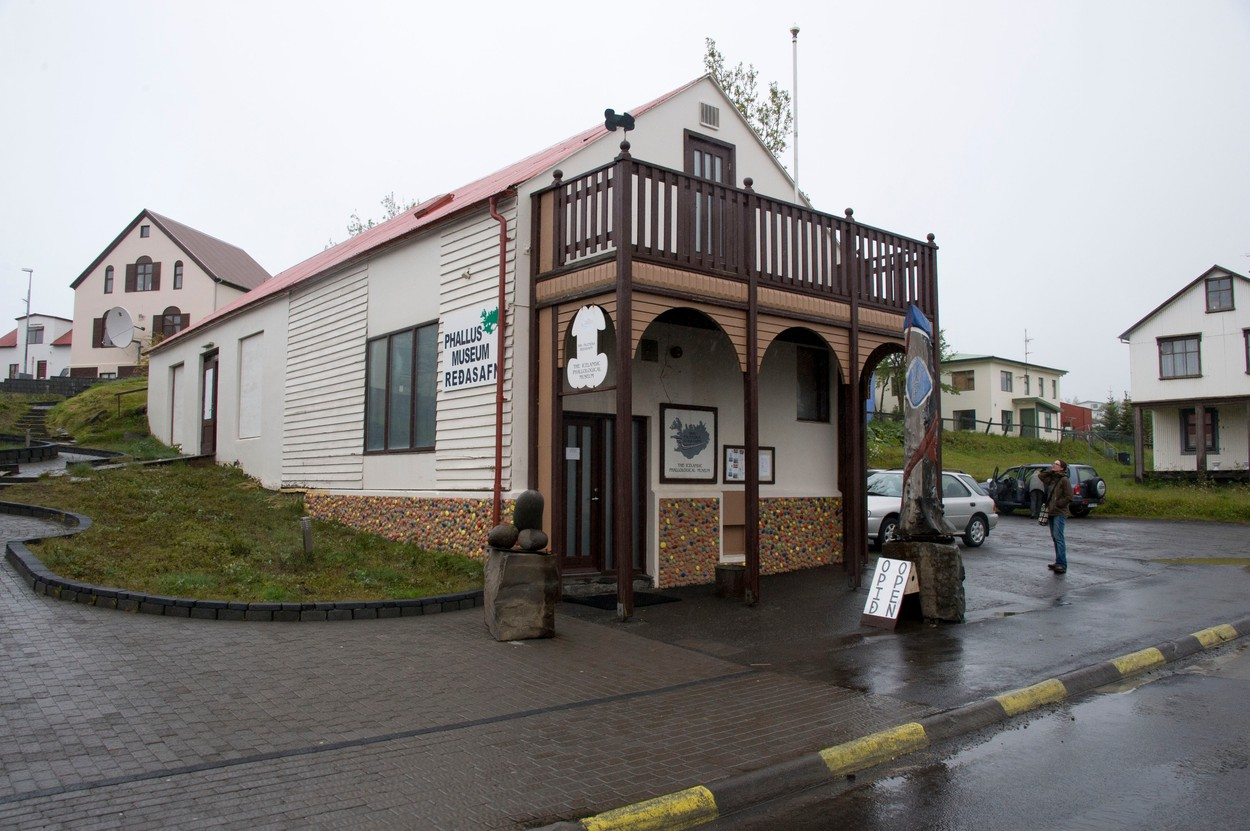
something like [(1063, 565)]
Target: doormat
[(608, 601)]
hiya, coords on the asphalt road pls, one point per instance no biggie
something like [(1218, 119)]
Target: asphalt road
[(1167, 750)]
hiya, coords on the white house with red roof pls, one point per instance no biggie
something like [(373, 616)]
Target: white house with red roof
[(163, 276), (651, 332), (38, 347)]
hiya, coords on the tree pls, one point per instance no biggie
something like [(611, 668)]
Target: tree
[(769, 115), (391, 208), (1111, 419)]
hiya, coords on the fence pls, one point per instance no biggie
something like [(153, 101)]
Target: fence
[(60, 385)]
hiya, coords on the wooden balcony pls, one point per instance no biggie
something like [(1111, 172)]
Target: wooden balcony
[(672, 219)]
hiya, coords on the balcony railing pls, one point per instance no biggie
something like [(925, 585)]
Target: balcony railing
[(676, 219)]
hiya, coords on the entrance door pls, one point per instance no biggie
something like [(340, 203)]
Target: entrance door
[(208, 419), (587, 493)]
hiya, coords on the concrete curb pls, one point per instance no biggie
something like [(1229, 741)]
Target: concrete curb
[(704, 803)]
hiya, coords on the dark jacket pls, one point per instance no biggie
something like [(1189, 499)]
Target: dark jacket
[(1058, 490)]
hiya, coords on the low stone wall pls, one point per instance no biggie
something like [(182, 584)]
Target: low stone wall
[(457, 526), (38, 451)]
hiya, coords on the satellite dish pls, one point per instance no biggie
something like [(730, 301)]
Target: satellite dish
[(119, 329)]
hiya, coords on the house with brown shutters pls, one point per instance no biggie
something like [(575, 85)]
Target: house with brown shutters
[(164, 275), (646, 327)]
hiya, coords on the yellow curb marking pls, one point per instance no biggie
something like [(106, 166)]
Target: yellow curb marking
[(1029, 698), (684, 809), (1139, 661), (1215, 636), (870, 750)]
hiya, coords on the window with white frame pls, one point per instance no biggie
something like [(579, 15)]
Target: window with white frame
[(401, 384), (1005, 380)]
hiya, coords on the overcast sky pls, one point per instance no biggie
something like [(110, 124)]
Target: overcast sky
[(1078, 162)]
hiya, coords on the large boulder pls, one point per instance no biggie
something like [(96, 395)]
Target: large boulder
[(528, 512)]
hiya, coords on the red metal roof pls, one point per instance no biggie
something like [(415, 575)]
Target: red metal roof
[(66, 339), (409, 222), (9, 340)]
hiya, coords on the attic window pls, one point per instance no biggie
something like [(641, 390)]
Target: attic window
[(145, 231), (709, 115)]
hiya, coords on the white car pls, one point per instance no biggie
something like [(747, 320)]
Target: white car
[(964, 502)]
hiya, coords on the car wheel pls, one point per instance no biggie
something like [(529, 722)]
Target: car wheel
[(889, 530), (1036, 498), (976, 532), (1079, 512)]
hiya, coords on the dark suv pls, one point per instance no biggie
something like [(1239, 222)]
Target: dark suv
[(1019, 487)]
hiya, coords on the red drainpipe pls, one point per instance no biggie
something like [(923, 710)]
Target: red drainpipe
[(497, 507)]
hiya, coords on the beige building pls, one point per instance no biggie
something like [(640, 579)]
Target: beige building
[(165, 276), (1002, 396)]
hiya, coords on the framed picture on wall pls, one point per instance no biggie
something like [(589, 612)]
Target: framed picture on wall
[(735, 469), (687, 443)]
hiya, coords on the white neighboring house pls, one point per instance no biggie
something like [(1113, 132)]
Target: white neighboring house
[(41, 342), (417, 377), (166, 276), (1015, 398), (1189, 364)]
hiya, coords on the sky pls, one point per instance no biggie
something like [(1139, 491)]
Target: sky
[(1078, 162)]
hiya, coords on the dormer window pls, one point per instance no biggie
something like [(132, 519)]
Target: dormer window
[(1220, 294)]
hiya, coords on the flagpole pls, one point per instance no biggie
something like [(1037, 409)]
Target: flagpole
[(794, 40)]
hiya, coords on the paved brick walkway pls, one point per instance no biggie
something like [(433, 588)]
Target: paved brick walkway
[(115, 720)]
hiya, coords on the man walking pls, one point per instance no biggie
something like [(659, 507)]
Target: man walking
[(1058, 497)]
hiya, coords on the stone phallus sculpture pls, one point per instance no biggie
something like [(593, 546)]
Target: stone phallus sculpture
[(521, 580)]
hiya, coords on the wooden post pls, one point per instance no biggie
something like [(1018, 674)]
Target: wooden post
[(623, 457)]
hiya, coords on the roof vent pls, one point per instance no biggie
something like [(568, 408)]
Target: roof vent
[(709, 115)]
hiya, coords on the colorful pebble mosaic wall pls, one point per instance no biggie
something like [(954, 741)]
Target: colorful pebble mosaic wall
[(457, 526), (799, 532), (689, 538), (795, 533)]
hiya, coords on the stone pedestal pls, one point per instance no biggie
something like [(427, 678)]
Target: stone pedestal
[(940, 570), (520, 595)]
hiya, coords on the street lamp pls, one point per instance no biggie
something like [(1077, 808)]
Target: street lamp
[(30, 276)]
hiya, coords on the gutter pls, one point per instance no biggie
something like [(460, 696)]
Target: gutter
[(497, 503)]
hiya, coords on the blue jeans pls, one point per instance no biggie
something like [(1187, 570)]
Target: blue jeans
[(1057, 523)]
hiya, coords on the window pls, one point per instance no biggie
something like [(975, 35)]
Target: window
[(964, 380), (1180, 357), (1211, 430), (170, 322), (813, 383), (1220, 294), (108, 280), (965, 419), (1245, 334), (34, 334), (400, 386), (178, 274), (1004, 380), (1041, 387), (145, 231), (1008, 418), (143, 275), (1054, 388)]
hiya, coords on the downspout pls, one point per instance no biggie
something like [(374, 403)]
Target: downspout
[(497, 505)]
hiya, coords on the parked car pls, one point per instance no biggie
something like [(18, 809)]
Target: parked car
[(966, 506), (1020, 487)]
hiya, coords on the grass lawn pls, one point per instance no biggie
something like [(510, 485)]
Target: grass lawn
[(204, 531)]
